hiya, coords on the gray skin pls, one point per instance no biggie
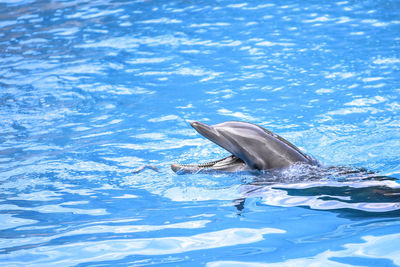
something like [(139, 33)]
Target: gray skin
[(253, 148)]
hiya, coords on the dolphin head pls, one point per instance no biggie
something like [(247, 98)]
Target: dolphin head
[(252, 148)]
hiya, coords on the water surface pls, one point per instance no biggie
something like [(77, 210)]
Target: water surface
[(90, 91)]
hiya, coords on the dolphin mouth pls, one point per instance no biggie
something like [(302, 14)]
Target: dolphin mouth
[(231, 163)]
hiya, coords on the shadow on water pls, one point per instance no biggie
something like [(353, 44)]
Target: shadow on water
[(352, 192)]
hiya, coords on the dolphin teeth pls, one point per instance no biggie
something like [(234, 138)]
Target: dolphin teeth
[(202, 165), (227, 162)]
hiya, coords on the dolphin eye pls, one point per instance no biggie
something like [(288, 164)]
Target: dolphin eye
[(257, 166)]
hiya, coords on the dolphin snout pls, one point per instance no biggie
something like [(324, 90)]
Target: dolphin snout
[(207, 131), (197, 124), (202, 128)]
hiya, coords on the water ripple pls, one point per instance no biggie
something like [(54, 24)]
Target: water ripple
[(381, 249), (114, 249)]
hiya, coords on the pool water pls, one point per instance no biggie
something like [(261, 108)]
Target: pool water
[(93, 91)]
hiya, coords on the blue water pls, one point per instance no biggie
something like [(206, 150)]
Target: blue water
[(91, 91)]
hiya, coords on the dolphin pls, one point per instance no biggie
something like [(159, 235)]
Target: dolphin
[(253, 148)]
